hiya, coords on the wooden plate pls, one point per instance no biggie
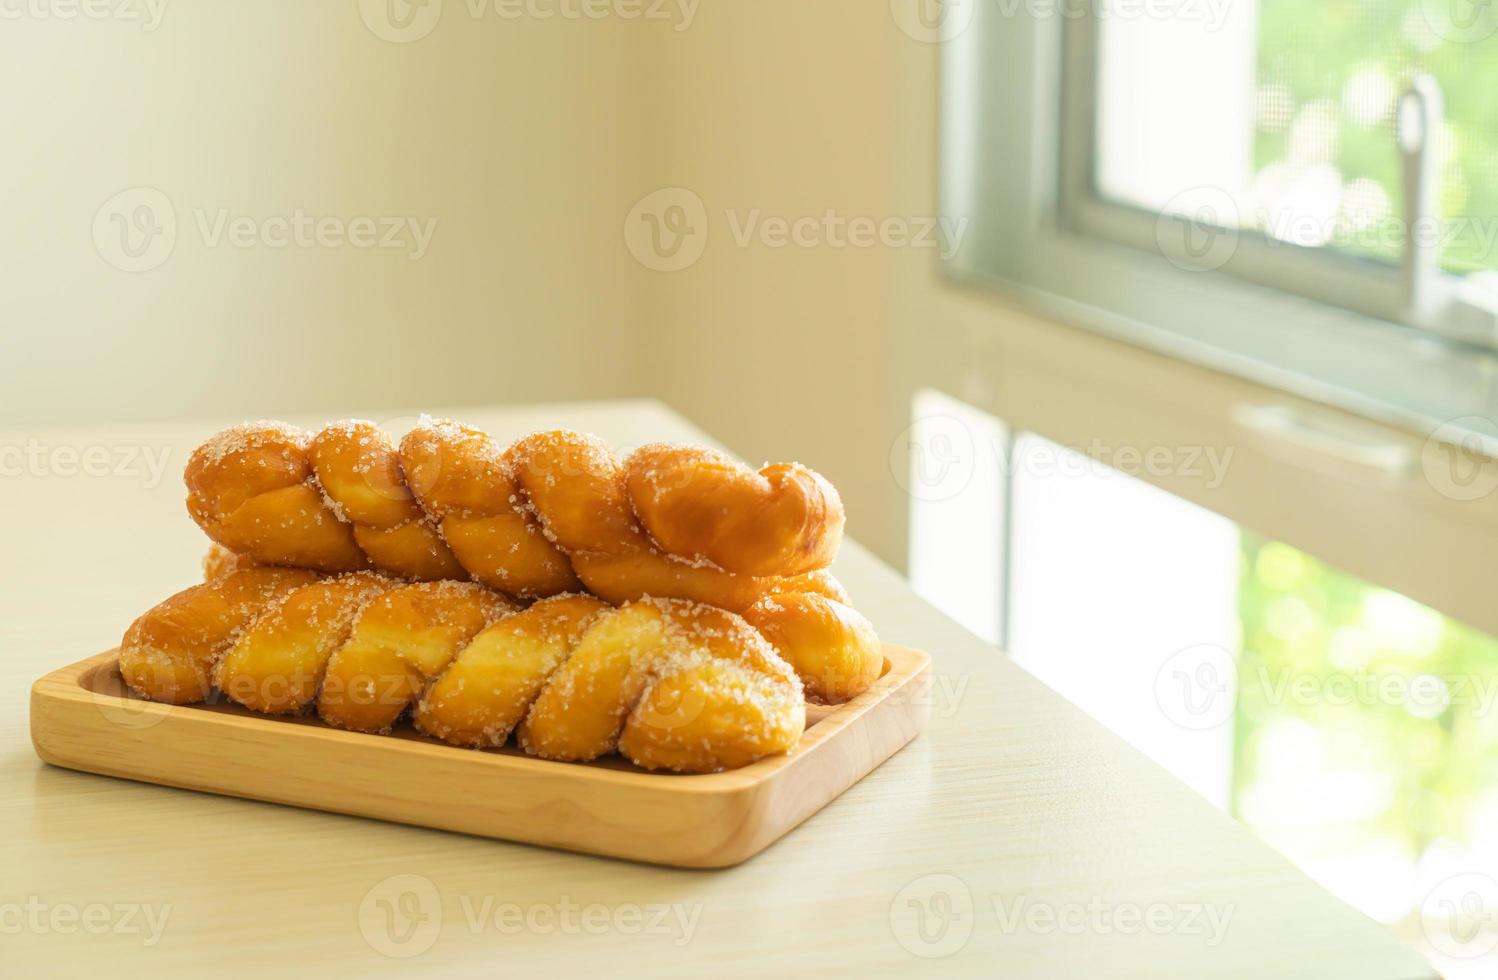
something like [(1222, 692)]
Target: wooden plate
[(83, 717)]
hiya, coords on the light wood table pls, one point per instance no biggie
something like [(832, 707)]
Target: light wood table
[(1015, 838)]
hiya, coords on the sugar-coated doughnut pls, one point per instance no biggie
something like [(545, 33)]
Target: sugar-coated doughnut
[(669, 684), (548, 514), (833, 648), (168, 654), (276, 666), (401, 640)]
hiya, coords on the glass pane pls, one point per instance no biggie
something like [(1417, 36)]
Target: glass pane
[(1367, 747), (1280, 116), (1111, 574), (1350, 727), (954, 458)]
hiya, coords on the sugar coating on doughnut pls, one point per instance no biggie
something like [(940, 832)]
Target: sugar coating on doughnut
[(832, 646), (697, 502), (248, 437), (401, 640), (276, 666), (583, 711), (487, 690), (670, 684), (168, 653), (514, 518)]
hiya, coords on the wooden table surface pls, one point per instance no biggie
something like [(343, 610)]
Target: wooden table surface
[(1015, 838)]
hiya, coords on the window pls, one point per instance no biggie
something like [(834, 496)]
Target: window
[(1278, 188), (1344, 150)]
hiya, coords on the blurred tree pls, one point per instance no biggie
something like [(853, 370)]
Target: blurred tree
[(1366, 722), (1330, 75)]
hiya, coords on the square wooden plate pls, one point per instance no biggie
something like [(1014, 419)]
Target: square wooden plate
[(83, 717)]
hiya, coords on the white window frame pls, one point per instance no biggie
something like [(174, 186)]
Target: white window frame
[(1014, 139)]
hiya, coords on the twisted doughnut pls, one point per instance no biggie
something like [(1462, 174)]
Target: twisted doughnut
[(491, 684), (671, 685), (359, 470), (168, 653), (460, 478), (667, 683), (450, 502), (403, 639), (833, 648), (698, 502), (276, 665)]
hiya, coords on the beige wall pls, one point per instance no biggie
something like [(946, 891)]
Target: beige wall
[(524, 140), (786, 107)]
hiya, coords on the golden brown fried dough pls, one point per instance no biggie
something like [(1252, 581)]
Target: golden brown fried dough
[(668, 683), (168, 654), (252, 490), (831, 645), (543, 516), (490, 686), (277, 665), (402, 639), (702, 504), (672, 685), (358, 468)]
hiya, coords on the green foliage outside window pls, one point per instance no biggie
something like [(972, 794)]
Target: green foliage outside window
[(1367, 723), (1329, 76)]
